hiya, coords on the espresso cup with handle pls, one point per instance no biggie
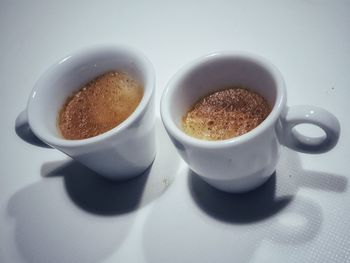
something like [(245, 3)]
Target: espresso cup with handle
[(245, 162), (120, 153)]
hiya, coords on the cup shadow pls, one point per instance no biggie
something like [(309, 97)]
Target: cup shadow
[(242, 208), (95, 194), (267, 200)]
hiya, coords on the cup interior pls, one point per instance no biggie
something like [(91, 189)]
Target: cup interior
[(215, 72), (69, 74)]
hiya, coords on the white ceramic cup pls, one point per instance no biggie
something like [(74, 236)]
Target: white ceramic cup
[(245, 162), (120, 153)]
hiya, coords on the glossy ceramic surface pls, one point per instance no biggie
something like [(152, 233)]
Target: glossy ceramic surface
[(245, 162), (116, 154)]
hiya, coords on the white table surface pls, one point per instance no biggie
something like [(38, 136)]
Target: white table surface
[(54, 210)]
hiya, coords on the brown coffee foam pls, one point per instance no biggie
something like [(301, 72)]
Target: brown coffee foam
[(99, 106), (225, 114)]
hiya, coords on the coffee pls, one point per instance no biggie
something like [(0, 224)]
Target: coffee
[(99, 106), (225, 114)]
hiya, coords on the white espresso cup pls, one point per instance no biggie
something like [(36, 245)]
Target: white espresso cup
[(120, 153), (245, 162)]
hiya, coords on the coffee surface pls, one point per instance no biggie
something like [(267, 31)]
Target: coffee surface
[(225, 114), (99, 106)]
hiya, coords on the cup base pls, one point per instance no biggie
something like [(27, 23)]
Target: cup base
[(240, 185), (117, 177)]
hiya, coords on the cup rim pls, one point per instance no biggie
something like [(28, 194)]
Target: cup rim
[(182, 137), (88, 51)]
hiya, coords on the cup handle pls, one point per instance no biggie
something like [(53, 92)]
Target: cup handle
[(23, 130), (312, 115)]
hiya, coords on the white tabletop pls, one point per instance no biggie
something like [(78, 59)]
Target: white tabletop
[(54, 210)]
